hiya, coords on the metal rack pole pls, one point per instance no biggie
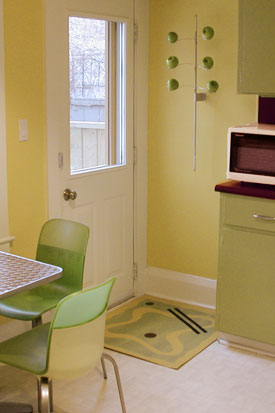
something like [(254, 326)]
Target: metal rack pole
[(195, 92)]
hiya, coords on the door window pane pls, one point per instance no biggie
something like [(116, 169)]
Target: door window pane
[(97, 98)]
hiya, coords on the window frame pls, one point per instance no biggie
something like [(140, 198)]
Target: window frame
[(115, 95)]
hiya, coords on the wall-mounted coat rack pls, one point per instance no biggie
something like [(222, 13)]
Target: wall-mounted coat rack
[(206, 64)]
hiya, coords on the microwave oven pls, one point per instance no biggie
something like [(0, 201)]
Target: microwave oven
[(251, 153)]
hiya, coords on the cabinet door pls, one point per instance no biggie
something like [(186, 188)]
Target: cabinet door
[(256, 62), (246, 285)]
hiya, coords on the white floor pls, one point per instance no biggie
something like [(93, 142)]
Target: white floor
[(218, 380)]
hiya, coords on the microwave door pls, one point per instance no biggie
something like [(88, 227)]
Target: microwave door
[(252, 154)]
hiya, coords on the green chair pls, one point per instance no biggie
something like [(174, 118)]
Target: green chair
[(68, 347), (62, 243)]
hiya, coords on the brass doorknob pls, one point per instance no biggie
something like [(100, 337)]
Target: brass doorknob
[(69, 194)]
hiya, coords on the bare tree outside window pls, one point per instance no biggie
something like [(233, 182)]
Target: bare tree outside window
[(96, 67), (87, 44), (87, 58)]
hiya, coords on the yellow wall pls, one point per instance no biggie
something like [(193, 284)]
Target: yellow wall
[(182, 204), (183, 209), (25, 99)]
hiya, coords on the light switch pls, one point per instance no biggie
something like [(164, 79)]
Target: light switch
[(23, 130)]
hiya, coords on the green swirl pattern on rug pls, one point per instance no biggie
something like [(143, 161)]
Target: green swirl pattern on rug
[(144, 328)]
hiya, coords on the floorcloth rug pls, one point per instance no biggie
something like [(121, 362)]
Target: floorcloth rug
[(160, 331)]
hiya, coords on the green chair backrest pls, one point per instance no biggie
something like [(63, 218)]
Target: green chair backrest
[(76, 337), (63, 243)]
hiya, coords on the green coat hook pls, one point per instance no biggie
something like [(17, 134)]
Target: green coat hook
[(212, 86), (172, 84), (207, 63), (172, 62), (172, 37), (207, 33)]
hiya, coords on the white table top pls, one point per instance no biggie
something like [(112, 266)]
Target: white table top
[(18, 274)]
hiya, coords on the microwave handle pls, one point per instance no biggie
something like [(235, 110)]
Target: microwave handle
[(266, 218)]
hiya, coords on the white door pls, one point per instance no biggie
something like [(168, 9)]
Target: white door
[(89, 93)]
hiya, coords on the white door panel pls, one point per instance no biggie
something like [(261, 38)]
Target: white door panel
[(104, 196)]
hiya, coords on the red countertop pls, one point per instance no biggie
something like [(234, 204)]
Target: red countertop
[(247, 189)]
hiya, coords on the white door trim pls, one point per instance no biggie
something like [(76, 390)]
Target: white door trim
[(141, 54), (5, 238)]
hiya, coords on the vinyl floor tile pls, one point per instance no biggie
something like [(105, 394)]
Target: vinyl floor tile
[(219, 379)]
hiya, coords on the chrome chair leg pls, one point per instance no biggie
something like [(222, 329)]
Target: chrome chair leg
[(45, 395), (39, 395), (103, 367), (37, 322), (108, 357)]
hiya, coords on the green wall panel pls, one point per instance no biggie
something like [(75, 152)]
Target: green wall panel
[(256, 62)]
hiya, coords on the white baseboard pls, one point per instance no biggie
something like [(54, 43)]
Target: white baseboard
[(187, 288), (244, 343)]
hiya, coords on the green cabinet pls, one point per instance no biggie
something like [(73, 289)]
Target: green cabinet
[(256, 56), (246, 273)]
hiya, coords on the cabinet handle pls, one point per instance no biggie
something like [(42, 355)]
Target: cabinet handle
[(266, 218)]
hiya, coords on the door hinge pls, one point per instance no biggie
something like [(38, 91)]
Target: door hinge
[(134, 155), (135, 271), (135, 32)]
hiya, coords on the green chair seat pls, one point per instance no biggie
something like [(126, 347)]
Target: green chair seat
[(31, 304), (27, 351)]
